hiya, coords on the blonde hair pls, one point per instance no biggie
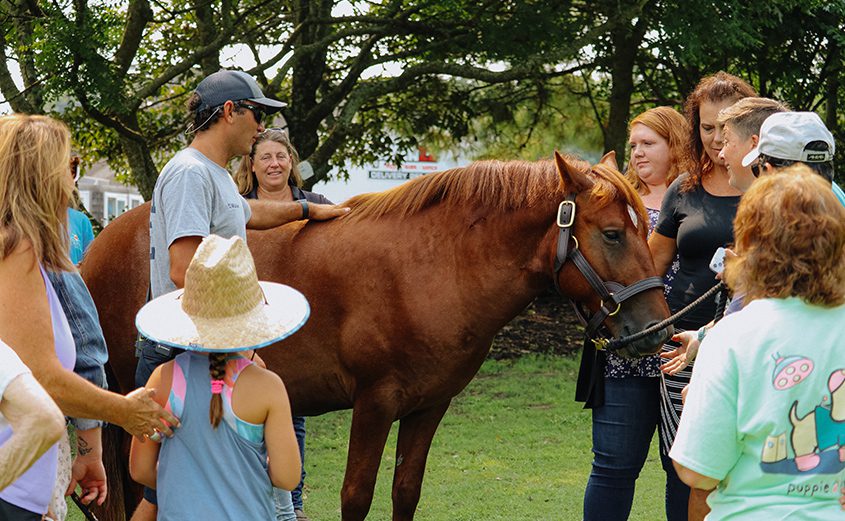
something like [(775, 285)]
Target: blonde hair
[(669, 124), (747, 115), (245, 177), (790, 240), (35, 188)]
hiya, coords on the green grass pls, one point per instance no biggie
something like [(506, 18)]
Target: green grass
[(514, 445)]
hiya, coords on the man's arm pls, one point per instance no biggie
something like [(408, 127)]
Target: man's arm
[(37, 423), (181, 251), (269, 214), (88, 470)]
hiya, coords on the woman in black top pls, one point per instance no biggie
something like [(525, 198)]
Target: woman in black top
[(696, 218), (271, 171)]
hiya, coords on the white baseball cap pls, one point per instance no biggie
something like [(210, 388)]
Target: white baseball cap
[(784, 135)]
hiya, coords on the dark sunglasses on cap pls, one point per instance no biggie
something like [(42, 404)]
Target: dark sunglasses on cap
[(255, 109)]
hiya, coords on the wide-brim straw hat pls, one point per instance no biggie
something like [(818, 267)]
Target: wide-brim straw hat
[(223, 307)]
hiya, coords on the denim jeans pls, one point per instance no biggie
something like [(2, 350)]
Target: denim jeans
[(84, 322), (283, 505), (622, 432), (677, 492), (299, 429)]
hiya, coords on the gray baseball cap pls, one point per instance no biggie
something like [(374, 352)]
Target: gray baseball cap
[(225, 85), (784, 135)]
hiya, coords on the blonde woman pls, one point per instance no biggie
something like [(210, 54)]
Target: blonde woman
[(271, 172), (34, 191), (764, 415)]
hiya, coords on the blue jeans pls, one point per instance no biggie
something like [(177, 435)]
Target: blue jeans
[(299, 429), (283, 505), (84, 322), (622, 431), (677, 492)]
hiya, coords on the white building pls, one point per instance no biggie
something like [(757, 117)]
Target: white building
[(105, 197), (381, 176)]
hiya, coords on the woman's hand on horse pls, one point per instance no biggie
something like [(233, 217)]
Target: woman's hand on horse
[(324, 212), (679, 358), (144, 416)]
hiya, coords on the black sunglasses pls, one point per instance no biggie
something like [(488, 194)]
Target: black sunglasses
[(255, 109)]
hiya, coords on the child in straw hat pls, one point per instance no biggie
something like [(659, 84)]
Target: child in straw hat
[(235, 416)]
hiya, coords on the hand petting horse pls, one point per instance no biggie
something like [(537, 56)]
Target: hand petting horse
[(408, 290)]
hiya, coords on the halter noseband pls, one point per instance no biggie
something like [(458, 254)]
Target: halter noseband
[(612, 294)]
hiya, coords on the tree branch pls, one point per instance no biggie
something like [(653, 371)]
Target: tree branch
[(138, 15)]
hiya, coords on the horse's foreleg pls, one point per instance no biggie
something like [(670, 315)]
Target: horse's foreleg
[(415, 434), (372, 416)]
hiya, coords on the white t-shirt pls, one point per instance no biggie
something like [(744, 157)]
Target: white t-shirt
[(10, 368)]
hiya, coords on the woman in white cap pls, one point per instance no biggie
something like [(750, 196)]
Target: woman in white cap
[(235, 416)]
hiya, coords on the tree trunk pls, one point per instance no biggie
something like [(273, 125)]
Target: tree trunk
[(141, 165), (626, 40), (307, 77)]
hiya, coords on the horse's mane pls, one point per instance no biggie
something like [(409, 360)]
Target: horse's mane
[(496, 185)]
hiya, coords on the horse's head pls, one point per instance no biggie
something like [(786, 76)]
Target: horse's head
[(602, 258)]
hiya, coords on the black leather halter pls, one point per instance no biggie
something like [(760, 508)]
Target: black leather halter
[(612, 294)]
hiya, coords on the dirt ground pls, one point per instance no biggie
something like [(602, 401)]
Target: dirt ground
[(547, 326)]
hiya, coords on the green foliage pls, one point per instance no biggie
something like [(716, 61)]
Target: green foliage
[(504, 79)]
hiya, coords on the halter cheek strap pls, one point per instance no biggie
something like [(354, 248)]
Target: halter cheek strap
[(612, 294), (590, 386)]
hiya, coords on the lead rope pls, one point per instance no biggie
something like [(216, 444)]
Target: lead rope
[(89, 516), (615, 344)]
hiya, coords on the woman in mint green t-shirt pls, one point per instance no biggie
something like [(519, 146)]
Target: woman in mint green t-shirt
[(764, 419)]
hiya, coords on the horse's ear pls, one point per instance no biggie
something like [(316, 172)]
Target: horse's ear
[(609, 160), (573, 179)]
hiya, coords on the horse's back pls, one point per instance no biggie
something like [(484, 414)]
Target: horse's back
[(117, 272)]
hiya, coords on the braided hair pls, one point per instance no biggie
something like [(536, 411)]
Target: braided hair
[(217, 368)]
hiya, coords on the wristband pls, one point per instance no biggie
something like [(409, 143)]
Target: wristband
[(304, 204), (702, 332)]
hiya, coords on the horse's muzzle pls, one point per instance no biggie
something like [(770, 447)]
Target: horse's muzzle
[(648, 345)]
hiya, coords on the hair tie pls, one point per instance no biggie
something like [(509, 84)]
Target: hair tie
[(216, 386)]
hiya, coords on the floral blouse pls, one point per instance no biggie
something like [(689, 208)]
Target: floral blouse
[(618, 367)]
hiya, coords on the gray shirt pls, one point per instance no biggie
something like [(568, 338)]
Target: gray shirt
[(193, 196)]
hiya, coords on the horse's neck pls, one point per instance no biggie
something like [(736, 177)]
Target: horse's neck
[(511, 256)]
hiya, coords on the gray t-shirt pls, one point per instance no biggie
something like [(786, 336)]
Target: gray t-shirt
[(193, 196)]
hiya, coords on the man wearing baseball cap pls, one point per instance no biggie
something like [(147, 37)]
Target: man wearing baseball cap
[(195, 197), (795, 137)]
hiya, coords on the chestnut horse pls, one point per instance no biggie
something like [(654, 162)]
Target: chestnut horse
[(407, 292)]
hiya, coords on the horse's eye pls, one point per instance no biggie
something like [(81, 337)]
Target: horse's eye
[(611, 235)]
